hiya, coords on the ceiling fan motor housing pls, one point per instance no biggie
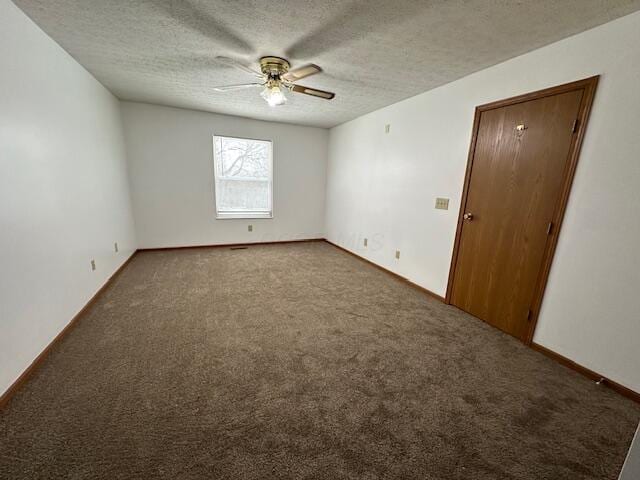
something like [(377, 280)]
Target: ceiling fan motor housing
[(274, 66)]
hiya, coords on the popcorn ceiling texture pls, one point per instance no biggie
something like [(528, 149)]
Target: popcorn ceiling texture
[(374, 52), (300, 361)]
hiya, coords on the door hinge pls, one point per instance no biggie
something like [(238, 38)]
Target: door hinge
[(528, 315), (574, 128), (549, 228)]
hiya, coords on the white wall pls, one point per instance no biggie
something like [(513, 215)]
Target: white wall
[(631, 468), (384, 187), (170, 153), (63, 190)]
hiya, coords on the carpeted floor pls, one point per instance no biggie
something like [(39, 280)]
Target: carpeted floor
[(300, 361)]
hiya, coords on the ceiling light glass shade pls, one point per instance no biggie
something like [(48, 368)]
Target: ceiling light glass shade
[(273, 95)]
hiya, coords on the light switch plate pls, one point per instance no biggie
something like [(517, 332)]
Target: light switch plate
[(442, 203), (398, 254), (366, 242), (387, 128)]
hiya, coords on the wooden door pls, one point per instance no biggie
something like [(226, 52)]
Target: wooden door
[(515, 190)]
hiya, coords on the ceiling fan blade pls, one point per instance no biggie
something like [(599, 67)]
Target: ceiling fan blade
[(240, 66), (301, 72), (228, 88), (312, 91)]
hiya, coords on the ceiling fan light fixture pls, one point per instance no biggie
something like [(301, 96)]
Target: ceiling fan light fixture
[(274, 95)]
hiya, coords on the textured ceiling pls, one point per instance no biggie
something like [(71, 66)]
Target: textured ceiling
[(373, 52)]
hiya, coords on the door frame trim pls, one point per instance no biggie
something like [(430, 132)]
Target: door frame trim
[(589, 86)]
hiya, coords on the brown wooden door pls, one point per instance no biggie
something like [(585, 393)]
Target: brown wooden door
[(518, 170)]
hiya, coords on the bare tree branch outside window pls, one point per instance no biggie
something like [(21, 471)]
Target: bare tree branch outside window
[(243, 171)]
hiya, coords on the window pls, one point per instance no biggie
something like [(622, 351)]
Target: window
[(243, 170)]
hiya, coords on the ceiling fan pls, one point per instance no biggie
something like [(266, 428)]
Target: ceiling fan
[(275, 77)]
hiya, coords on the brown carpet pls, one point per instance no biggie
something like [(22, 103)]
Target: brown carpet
[(300, 361)]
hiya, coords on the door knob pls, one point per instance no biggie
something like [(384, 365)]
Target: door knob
[(468, 216)]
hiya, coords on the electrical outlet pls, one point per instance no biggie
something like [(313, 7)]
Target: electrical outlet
[(387, 128), (398, 254), (250, 228), (115, 245), (366, 242), (93, 265), (442, 203)]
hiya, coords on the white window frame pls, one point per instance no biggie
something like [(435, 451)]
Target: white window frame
[(225, 215)]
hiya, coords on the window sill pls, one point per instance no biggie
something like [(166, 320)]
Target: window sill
[(244, 216)]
